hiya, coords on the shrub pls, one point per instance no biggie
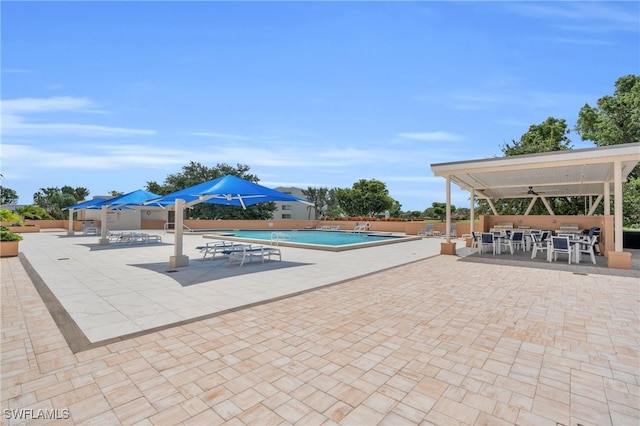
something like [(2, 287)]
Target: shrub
[(7, 235)]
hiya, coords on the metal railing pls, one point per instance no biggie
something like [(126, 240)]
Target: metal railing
[(172, 226)]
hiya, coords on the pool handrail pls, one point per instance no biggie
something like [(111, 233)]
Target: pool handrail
[(279, 236), (166, 226)]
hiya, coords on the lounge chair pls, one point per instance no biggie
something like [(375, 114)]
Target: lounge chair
[(214, 248), (251, 252), (89, 229), (427, 231)]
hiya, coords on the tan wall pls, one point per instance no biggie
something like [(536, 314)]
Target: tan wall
[(49, 224), (543, 222), (409, 228)]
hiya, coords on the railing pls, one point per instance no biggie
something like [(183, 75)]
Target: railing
[(279, 236), (172, 225)]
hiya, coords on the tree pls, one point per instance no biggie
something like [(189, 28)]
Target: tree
[(616, 119), (55, 200), (317, 196), (33, 212), (196, 173), (439, 210), (365, 198), (550, 135), (8, 195)]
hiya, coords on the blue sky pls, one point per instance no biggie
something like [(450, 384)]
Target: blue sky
[(111, 95)]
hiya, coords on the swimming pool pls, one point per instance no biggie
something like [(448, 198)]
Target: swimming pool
[(319, 240)]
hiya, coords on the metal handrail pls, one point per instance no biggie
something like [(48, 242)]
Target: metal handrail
[(166, 226), (279, 236)]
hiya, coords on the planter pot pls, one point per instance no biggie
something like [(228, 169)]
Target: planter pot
[(9, 248)]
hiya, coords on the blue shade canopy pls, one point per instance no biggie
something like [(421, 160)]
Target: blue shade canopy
[(228, 190), (135, 198), (86, 204)]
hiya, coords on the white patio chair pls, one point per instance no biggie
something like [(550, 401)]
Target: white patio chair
[(588, 248), (486, 240), (560, 245), (539, 243)]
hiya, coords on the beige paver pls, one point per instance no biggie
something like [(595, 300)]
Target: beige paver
[(438, 341)]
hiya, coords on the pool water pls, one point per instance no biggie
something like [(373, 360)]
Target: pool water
[(321, 240), (327, 238)]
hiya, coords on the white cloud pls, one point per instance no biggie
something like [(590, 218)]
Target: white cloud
[(15, 111), (58, 103), (437, 136)]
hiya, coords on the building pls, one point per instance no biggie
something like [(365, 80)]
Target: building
[(292, 210)]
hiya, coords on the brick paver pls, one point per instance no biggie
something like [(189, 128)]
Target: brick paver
[(438, 341)]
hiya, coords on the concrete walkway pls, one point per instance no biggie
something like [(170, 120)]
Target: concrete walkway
[(427, 340)]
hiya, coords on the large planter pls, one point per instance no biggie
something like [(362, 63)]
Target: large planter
[(9, 248)]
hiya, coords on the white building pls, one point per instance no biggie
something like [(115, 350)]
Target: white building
[(293, 210)]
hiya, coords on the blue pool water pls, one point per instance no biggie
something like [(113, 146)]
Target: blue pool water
[(325, 238)]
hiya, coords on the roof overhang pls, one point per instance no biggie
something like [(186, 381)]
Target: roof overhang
[(579, 172)]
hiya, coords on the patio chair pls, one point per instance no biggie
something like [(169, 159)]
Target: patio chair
[(594, 231), (452, 231), (560, 245), (427, 231), (539, 244), (587, 247), (474, 240), (515, 241), (486, 240)]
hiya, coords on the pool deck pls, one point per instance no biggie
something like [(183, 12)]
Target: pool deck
[(394, 334)]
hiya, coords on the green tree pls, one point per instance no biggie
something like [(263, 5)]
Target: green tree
[(396, 210), (195, 173), (55, 200), (8, 195), (317, 196), (439, 210), (33, 212), (333, 208), (365, 198), (550, 135), (631, 203), (616, 119)]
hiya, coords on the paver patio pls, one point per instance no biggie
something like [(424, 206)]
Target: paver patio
[(436, 341)]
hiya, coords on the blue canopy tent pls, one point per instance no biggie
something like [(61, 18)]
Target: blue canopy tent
[(121, 202), (227, 190), (81, 206)]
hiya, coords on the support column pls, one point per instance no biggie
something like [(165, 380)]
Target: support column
[(448, 247), (103, 226), (472, 210), (618, 258), (178, 259), (70, 229)]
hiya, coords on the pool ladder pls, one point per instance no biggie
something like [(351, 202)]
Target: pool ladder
[(279, 236)]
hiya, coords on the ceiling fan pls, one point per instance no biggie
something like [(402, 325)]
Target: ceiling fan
[(536, 193), (531, 191)]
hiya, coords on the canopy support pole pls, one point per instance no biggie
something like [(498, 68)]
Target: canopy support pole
[(70, 228), (103, 226), (472, 211), (447, 247), (178, 259)]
